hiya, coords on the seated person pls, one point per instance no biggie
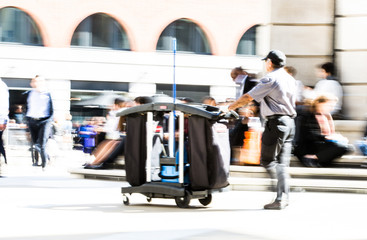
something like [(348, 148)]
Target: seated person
[(362, 144), (113, 138), (316, 143), (114, 145)]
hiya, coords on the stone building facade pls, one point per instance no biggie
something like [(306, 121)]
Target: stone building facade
[(310, 32)]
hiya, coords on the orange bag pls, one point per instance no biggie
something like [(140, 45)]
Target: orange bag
[(251, 149)]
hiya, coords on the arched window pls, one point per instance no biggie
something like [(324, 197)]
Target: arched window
[(100, 30), (190, 38), (17, 26), (247, 44)]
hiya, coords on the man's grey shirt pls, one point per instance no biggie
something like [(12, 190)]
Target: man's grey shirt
[(276, 94)]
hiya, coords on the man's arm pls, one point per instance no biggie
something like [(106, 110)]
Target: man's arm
[(243, 100)]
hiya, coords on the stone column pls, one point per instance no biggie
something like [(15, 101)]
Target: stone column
[(60, 92), (141, 89)]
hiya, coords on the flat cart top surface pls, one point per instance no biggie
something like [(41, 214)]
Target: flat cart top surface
[(205, 111)]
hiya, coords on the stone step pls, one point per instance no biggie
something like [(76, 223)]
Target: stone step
[(303, 172), (352, 160), (300, 185), (106, 174), (346, 161), (255, 178)]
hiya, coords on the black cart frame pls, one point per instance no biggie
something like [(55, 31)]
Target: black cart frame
[(208, 169)]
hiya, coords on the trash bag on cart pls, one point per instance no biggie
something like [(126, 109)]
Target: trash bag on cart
[(209, 154), (135, 149)]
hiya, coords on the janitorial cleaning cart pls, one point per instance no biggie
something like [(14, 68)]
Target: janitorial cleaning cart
[(175, 151)]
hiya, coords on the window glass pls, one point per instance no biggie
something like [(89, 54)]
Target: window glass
[(100, 30), (247, 44), (17, 26), (190, 38), (194, 92)]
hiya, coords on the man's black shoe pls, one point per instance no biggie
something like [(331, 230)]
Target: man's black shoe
[(276, 205)]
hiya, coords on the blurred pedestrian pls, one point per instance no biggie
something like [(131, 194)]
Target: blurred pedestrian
[(329, 84), (276, 94), (18, 114), (317, 144), (113, 145), (140, 101), (300, 87), (186, 100), (362, 144), (243, 80), (244, 83), (4, 111), (237, 133), (207, 100), (39, 116), (67, 125)]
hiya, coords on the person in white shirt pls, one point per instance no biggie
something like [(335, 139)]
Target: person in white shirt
[(39, 116), (329, 85), (113, 136), (243, 80), (4, 111)]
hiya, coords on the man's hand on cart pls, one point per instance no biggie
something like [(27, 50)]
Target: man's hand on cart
[(242, 101), (227, 113)]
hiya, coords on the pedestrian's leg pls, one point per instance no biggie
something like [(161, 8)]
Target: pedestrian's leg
[(100, 148), (275, 155), (269, 152), (33, 131), (287, 128), (43, 135), (363, 147), (2, 149), (119, 150), (105, 152), (330, 151), (282, 173)]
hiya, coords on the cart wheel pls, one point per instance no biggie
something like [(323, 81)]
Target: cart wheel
[(183, 202), (149, 199), (126, 200), (206, 201)]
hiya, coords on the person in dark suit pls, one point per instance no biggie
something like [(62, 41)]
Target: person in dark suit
[(4, 111), (244, 81), (39, 116)]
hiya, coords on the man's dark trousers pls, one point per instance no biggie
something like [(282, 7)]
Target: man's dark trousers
[(40, 130), (276, 150)]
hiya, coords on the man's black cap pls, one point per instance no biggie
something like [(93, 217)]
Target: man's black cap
[(277, 57)]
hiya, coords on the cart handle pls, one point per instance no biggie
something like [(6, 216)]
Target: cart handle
[(230, 114), (199, 110)]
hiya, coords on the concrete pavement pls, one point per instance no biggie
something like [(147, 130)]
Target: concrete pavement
[(53, 205)]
